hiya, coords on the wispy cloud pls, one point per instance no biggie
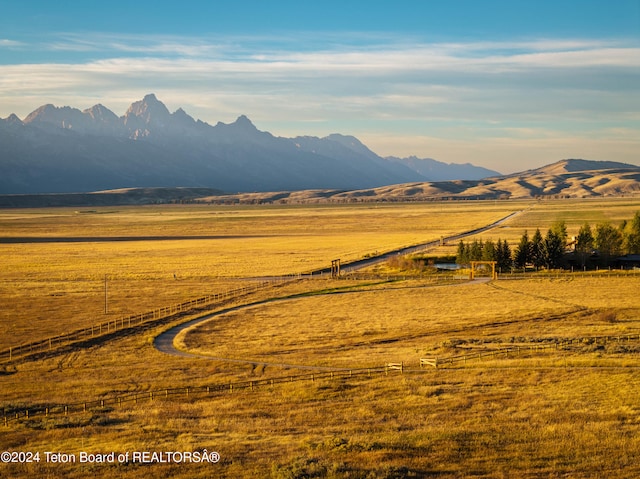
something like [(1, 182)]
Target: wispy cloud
[(116, 45), (348, 51), (370, 86), (381, 67), (6, 43)]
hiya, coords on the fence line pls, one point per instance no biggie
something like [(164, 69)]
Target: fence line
[(428, 278), (564, 273), (131, 321), (126, 322), (463, 274), (437, 362), (183, 393), (193, 392)]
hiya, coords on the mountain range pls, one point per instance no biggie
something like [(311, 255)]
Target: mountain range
[(61, 156), (66, 150)]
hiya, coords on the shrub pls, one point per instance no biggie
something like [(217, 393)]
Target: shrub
[(608, 316)]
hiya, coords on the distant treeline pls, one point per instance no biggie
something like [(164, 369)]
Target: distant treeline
[(597, 246), (478, 250)]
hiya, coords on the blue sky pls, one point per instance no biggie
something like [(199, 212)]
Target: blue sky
[(504, 84)]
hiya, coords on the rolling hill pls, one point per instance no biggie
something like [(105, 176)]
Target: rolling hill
[(563, 179)]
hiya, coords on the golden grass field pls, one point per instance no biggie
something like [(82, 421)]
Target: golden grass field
[(567, 412)]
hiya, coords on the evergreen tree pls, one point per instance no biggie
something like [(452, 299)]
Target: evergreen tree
[(559, 228), (503, 255), (584, 244), (475, 251), (631, 235), (462, 255), (489, 251), (507, 256), (553, 250), (608, 241), (537, 250), (523, 252)]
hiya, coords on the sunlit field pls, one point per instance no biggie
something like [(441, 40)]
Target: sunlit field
[(569, 410), (56, 287), (391, 323)]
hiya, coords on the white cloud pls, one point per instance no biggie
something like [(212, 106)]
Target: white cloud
[(413, 75), (389, 91), (6, 43), (117, 45)]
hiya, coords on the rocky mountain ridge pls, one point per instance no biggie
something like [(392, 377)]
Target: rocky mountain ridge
[(64, 149)]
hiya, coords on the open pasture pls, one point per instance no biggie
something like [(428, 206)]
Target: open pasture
[(571, 411), (567, 412), (51, 288), (574, 213), (400, 322)]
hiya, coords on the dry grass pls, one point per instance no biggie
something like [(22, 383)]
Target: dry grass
[(402, 322), (573, 213), (571, 412), (568, 412), (52, 288)]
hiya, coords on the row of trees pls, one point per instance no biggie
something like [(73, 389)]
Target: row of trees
[(606, 241), (477, 250), (600, 244), (547, 252)]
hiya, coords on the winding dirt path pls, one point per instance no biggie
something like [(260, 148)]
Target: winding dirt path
[(165, 341)]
